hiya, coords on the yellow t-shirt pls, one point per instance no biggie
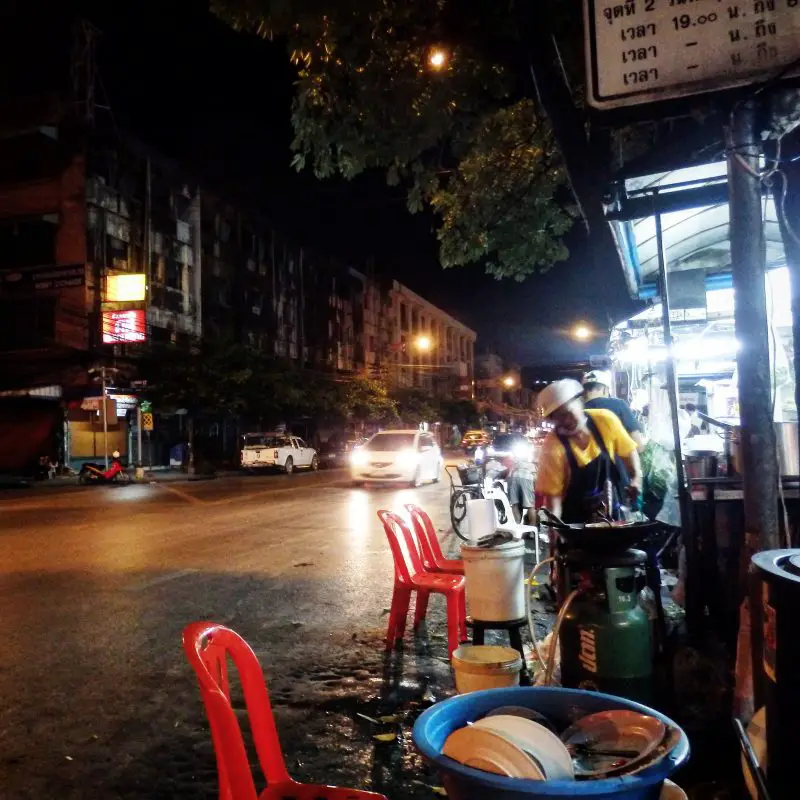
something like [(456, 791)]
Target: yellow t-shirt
[(553, 476)]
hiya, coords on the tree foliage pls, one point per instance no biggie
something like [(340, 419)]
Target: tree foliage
[(207, 378), (217, 379), (466, 140)]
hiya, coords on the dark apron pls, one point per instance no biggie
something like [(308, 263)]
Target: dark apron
[(586, 488)]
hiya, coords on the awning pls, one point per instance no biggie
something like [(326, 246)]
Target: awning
[(695, 221)]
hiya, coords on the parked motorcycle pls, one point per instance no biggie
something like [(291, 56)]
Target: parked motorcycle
[(95, 473)]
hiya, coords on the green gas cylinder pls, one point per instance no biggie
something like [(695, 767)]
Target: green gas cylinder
[(605, 638)]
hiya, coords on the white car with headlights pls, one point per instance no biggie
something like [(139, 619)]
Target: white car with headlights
[(507, 445), (406, 456)]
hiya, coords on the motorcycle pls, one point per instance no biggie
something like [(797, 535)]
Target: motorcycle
[(94, 473)]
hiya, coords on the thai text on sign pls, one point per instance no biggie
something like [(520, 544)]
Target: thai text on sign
[(644, 50)]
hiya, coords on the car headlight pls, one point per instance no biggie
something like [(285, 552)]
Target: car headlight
[(521, 451), (407, 458), (358, 458)]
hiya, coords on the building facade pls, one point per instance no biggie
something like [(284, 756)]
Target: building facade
[(423, 347), (98, 210)]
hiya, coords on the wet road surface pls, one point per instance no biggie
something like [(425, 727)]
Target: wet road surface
[(96, 698)]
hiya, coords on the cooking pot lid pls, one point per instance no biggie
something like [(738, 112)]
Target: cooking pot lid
[(781, 564)]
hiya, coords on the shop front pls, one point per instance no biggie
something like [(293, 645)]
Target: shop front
[(674, 228)]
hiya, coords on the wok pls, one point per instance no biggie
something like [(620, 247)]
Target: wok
[(601, 537)]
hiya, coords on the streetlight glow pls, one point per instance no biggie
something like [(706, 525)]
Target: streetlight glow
[(509, 381), (423, 343), (582, 332), (437, 58)]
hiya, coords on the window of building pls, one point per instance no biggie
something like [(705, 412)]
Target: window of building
[(27, 323), (28, 241), (403, 316), (117, 253)]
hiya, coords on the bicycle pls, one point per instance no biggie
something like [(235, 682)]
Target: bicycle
[(472, 486)]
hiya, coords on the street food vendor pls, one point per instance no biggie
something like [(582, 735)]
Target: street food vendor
[(579, 457), (597, 394)]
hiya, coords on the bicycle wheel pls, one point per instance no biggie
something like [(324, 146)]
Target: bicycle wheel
[(458, 512)]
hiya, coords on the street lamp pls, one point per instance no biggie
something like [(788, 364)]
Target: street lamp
[(509, 381), (423, 343), (582, 332), (437, 58)]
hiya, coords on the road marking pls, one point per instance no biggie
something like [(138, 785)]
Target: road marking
[(189, 498), (170, 576)]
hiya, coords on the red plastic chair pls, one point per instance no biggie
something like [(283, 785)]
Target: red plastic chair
[(432, 556), (207, 646), (410, 576)]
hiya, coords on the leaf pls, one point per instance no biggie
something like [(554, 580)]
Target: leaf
[(470, 147), (385, 737), (439, 790), (389, 719)]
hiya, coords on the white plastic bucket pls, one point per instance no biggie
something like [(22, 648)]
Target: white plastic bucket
[(495, 581), (481, 666)]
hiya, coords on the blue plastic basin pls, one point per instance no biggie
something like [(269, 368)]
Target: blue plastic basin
[(562, 707)]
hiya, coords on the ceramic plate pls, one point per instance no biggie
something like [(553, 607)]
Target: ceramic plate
[(671, 791), (525, 713), (638, 734), (536, 740), (490, 752), (671, 739)]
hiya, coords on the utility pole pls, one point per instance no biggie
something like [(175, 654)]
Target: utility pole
[(748, 265), (757, 432)]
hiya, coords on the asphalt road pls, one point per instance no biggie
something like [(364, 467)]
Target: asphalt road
[(96, 698)]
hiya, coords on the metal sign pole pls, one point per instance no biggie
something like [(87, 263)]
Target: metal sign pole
[(684, 497), (139, 434), (105, 417)]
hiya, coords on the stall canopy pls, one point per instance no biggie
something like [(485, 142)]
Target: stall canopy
[(693, 203), (694, 206)]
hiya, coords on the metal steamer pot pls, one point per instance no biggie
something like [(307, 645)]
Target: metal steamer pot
[(701, 464), (786, 443)]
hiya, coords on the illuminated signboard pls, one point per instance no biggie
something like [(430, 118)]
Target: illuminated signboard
[(126, 288), (124, 326)]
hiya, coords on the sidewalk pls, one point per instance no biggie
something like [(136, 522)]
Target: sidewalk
[(154, 476)]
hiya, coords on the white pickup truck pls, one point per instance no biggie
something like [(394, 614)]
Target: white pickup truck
[(277, 451)]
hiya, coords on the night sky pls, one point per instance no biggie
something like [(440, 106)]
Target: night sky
[(220, 101)]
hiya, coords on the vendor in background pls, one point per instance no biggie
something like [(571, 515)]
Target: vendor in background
[(597, 394), (578, 457)]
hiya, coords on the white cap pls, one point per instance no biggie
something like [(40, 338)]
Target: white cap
[(601, 376), (115, 454), (558, 394)]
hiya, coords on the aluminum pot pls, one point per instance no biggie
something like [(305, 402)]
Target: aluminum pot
[(701, 465), (787, 444), (733, 450)]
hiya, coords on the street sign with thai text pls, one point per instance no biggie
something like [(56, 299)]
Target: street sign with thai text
[(640, 51)]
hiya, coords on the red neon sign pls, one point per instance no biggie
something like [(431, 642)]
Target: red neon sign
[(124, 326)]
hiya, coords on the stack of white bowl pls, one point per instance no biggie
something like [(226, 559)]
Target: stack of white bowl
[(513, 746)]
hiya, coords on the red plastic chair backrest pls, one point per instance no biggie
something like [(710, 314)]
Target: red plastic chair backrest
[(207, 646), (428, 540), (407, 560)]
